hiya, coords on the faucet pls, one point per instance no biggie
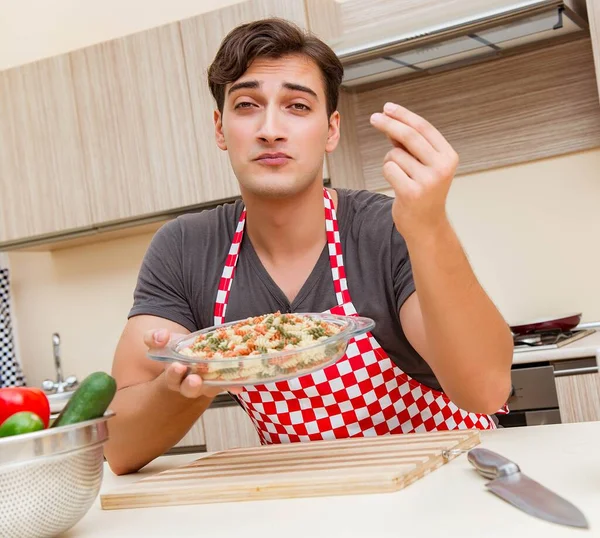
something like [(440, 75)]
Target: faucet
[(60, 385)]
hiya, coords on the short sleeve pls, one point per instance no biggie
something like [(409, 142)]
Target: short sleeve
[(404, 284), (160, 289)]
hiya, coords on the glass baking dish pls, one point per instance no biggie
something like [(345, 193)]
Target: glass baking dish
[(265, 367)]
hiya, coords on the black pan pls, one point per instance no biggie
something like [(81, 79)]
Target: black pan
[(565, 323)]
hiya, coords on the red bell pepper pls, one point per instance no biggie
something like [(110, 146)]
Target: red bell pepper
[(16, 399)]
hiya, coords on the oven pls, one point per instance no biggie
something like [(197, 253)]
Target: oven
[(534, 399)]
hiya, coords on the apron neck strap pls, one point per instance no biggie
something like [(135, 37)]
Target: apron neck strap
[(336, 260)]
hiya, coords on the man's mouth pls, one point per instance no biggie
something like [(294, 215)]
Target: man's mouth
[(273, 159)]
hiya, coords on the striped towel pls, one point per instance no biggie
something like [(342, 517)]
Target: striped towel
[(11, 374)]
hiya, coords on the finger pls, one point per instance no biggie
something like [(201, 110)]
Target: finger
[(406, 136), (156, 338), (192, 387), (403, 185), (421, 125), (413, 168), (174, 375)]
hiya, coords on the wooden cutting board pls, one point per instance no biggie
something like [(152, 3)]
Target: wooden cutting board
[(317, 468)]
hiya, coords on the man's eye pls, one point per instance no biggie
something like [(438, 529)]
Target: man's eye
[(300, 106), (244, 104)]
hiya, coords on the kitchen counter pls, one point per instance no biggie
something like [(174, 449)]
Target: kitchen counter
[(588, 346), (451, 501)]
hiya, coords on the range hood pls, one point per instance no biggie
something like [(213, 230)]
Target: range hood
[(459, 42)]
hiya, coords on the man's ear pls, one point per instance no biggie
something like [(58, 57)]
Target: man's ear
[(219, 136), (333, 136)]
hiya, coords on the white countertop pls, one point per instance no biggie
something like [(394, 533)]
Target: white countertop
[(588, 346), (451, 501)]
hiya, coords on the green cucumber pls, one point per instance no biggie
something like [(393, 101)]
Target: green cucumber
[(21, 422), (90, 400)]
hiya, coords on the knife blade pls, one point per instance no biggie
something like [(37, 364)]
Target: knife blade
[(510, 484)]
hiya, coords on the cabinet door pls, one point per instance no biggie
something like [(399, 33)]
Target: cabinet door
[(136, 125), (345, 162), (202, 36), (228, 427), (486, 112), (193, 440), (42, 179), (579, 397)]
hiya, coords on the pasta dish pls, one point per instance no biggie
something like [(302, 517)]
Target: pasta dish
[(261, 335)]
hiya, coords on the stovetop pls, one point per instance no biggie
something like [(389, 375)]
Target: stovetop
[(548, 339)]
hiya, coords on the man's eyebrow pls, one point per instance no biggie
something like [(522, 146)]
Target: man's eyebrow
[(254, 84), (300, 88), (247, 84)]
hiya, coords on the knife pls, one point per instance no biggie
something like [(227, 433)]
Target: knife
[(510, 484)]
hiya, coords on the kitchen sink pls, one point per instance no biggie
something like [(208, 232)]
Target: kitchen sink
[(58, 400)]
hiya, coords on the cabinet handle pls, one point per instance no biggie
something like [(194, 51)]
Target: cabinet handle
[(576, 371)]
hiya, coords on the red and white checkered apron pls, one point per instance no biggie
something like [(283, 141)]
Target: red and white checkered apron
[(362, 394)]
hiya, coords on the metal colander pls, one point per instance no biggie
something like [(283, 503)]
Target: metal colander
[(49, 479)]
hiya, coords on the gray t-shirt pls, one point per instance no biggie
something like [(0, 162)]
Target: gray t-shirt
[(181, 270)]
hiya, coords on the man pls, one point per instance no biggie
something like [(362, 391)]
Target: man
[(276, 91)]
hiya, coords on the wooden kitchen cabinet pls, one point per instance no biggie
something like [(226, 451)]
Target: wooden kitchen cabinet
[(122, 131), (43, 187), (223, 425), (228, 427), (345, 163), (138, 139), (118, 132), (538, 103), (517, 109), (193, 441), (147, 114), (201, 37), (579, 397)]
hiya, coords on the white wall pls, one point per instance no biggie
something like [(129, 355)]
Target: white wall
[(35, 29), (532, 234), (82, 293)]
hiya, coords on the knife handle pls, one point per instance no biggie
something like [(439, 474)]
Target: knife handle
[(491, 465)]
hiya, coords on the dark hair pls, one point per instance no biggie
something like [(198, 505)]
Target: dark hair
[(271, 38)]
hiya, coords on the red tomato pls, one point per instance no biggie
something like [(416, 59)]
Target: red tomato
[(16, 399)]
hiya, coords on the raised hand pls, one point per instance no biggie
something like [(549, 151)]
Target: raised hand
[(419, 167)]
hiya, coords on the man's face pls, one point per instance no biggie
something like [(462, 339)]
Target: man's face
[(275, 126)]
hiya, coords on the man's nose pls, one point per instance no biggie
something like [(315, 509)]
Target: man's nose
[(272, 128)]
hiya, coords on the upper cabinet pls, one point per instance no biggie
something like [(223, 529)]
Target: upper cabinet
[(139, 146), (117, 132), (122, 132), (201, 38), (42, 173), (146, 114), (517, 109), (505, 82)]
